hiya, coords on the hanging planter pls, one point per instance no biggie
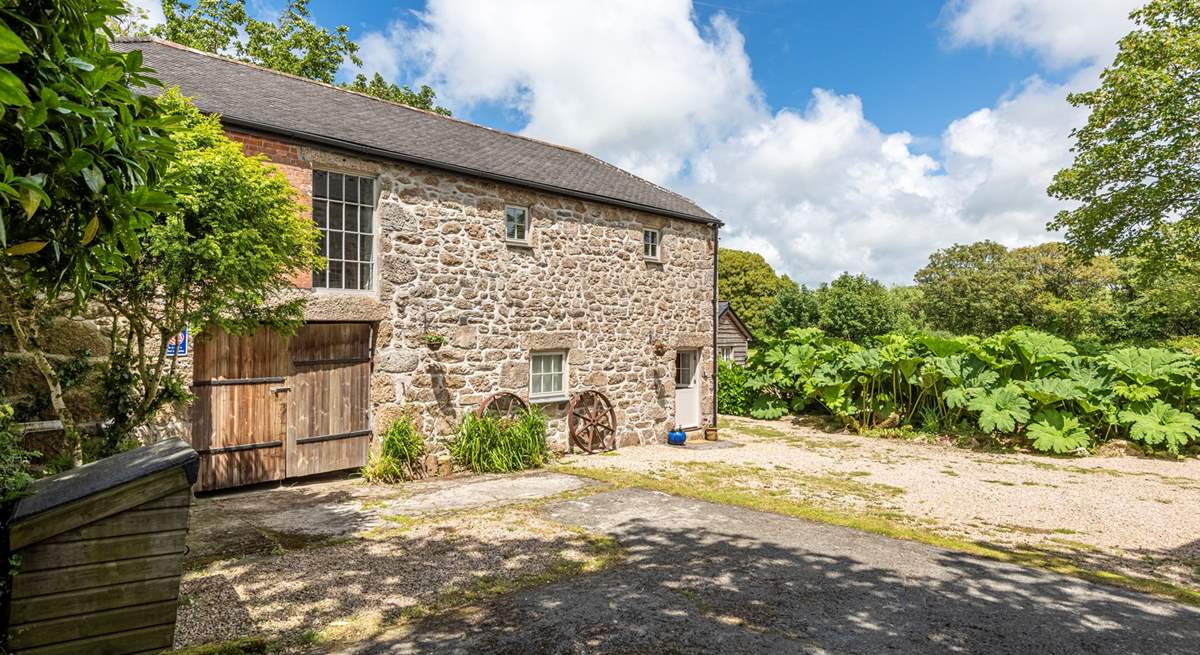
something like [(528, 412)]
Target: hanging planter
[(433, 340), (660, 348)]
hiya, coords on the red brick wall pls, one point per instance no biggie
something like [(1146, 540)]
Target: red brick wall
[(285, 156)]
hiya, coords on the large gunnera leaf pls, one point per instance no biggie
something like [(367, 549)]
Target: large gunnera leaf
[(1149, 365), (1047, 391), (1162, 424), (768, 407), (1000, 409), (1055, 431)]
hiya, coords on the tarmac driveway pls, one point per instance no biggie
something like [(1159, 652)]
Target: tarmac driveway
[(704, 578)]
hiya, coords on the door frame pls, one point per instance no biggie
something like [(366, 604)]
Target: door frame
[(694, 385)]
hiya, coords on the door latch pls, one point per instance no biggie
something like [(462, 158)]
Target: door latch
[(280, 389)]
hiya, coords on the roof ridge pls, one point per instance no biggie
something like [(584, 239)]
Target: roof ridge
[(335, 87)]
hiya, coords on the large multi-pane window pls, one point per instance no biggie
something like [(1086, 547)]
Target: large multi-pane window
[(344, 210)]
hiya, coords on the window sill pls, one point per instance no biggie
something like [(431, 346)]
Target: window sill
[(652, 260), (518, 244), (548, 400)]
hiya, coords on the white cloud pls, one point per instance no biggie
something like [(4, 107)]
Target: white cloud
[(1062, 32), (816, 190)]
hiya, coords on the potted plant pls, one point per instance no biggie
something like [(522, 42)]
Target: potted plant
[(433, 340)]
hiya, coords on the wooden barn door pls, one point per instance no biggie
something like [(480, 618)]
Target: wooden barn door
[(269, 407), (239, 420), (329, 425)]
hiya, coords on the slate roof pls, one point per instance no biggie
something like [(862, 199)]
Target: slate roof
[(258, 98)]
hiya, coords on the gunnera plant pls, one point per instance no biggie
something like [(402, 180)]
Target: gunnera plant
[(490, 444), (400, 454)]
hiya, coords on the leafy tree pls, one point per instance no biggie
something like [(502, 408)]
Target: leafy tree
[(81, 158), (794, 306), (983, 288), (223, 258), (381, 88), (749, 283), (292, 44), (1135, 174), (856, 307), (974, 289)]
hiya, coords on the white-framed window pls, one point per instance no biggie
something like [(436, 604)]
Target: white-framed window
[(344, 210), (726, 352), (685, 368), (548, 375), (516, 224), (650, 244)]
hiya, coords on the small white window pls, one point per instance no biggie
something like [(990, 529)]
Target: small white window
[(685, 369), (650, 244), (726, 352), (516, 224), (548, 376)]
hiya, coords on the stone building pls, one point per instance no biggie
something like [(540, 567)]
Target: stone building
[(545, 271)]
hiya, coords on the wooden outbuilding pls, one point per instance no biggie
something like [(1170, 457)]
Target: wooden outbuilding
[(733, 339), (96, 553)]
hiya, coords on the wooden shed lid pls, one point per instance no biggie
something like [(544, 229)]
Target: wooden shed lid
[(69, 486)]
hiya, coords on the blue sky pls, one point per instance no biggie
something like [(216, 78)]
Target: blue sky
[(890, 53), (829, 136)]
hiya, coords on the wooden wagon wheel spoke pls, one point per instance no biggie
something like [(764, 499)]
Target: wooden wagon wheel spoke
[(591, 422), (502, 405)]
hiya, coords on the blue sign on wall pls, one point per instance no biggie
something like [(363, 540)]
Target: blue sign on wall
[(178, 345)]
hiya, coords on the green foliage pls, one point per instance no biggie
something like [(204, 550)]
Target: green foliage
[(793, 307), (14, 459), (733, 397), (82, 157), (400, 455), (1019, 382), (749, 284), (1134, 178), (223, 257), (856, 307), (1055, 431), (488, 444), (983, 288), (81, 154), (292, 44), (425, 99)]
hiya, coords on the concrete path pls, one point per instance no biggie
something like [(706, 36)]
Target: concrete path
[(703, 578)]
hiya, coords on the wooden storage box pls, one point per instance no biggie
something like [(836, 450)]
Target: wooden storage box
[(98, 553)]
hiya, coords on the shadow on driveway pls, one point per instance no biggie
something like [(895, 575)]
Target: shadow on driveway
[(703, 578)]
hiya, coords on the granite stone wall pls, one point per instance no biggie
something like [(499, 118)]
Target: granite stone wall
[(581, 285)]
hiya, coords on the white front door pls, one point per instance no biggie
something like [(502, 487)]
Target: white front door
[(687, 389)]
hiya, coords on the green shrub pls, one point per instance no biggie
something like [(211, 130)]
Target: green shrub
[(1018, 382), (400, 454), (732, 395), (487, 444), (14, 460)]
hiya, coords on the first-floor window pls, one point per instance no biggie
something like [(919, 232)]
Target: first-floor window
[(650, 240), (548, 375), (516, 224), (344, 210), (726, 352)]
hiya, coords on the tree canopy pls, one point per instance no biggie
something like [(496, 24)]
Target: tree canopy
[(856, 307), (1135, 174), (292, 44), (749, 284), (224, 257)]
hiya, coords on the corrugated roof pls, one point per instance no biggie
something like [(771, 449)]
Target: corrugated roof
[(254, 97)]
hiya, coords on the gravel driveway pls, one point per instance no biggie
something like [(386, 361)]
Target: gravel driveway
[(704, 578), (1131, 515)]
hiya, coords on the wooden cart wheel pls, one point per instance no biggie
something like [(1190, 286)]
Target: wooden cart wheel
[(502, 405), (591, 422)]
